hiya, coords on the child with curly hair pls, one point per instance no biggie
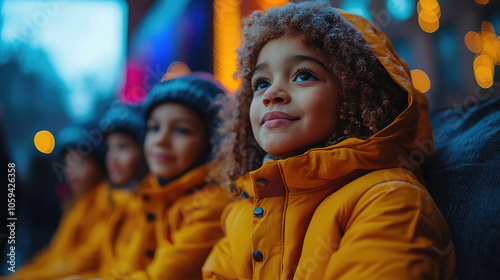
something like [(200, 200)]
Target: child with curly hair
[(325, 146)]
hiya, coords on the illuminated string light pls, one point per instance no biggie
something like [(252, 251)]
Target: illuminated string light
[(429, 14), (486, 45), (226, 40), (420, 80), (44, 141)]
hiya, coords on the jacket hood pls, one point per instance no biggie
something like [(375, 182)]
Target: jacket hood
[(407, 142)]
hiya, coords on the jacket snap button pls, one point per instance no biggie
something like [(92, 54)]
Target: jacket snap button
[(150, 253), (258, 212), (261, 182), (257, 256), (244, 194), (150, 217)]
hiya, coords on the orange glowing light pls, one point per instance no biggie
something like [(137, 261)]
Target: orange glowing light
[(483, 61), (428, 27), (487, 45), (429, 13), (44, 141), (176, 69), (420, 80), (429, 4), (226, 39), (490, 48), (482, 2), (435, 10), (428, 16), (484, 76), (266, 4), (473, 41)]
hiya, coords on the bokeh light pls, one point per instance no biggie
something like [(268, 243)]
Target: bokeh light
[(482, 2), (176, 69), (429, 13), (400, 9), (486, 45), (358, 7), (226, 40), (473, 41), (44, 141), (266, 4), (420, 80)]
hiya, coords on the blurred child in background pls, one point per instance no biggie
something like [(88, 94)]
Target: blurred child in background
[(86, 208), (322, 144), (123, 127), (181, 212)]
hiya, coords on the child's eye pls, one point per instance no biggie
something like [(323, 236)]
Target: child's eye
[(123, 146), (182, 130), (154, 128), (260, 84), (304, 75)]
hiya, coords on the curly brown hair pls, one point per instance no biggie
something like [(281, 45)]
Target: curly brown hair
[(369, 99)]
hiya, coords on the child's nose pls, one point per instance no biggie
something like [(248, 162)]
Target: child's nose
[(276, 95), (164, 138)]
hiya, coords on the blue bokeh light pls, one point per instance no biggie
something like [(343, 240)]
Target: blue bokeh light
[(401, 9), (358, 7)]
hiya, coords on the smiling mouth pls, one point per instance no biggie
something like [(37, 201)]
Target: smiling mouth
[(277, 119), (163, 158)]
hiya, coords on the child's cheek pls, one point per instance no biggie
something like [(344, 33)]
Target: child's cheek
[(254, 114), (147, 148)]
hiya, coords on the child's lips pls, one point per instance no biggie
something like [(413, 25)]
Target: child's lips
[(163, 158), (276, 119), (113, 171)]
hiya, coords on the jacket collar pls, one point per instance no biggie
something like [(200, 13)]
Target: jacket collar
[(152, 191), (328, 167)]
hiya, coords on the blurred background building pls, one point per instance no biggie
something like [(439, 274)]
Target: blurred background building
[(65, 61)]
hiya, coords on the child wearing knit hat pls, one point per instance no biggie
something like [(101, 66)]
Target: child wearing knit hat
[(180, 210), (83, 157), (123, 129), (86, 210)]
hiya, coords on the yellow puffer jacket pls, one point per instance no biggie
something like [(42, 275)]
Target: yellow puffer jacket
[(111, 242), (123, 223), (180, 223), (354, 210), (80, 227)]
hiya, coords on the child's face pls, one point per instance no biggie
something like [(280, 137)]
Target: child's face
[(294, 105), (175, 140), (123, 158), (82, 173)]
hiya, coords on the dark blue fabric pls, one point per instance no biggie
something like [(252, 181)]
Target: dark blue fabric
[(464, 180), (85, 138), (124, 118)]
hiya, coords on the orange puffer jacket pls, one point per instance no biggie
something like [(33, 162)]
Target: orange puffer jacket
[(113, 241), (354, 210), (179, 224), (80, 227)]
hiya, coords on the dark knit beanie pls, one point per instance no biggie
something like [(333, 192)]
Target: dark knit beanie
[(197, 91), (127, 119), (87, 139)]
